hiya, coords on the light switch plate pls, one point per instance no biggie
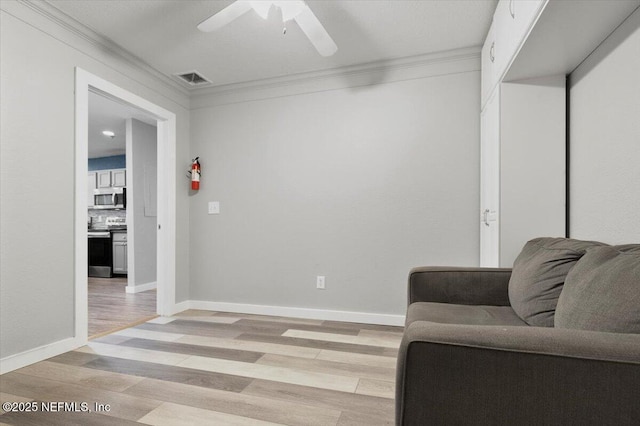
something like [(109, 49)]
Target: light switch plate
[(214, 207)]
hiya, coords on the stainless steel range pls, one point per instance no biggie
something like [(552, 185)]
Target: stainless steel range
[(100, 246), (100, 256)]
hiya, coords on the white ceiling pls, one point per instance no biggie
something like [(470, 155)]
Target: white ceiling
[(163, 34), (107, 114)]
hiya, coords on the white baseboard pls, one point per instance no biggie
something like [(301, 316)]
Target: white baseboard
[(13, 362), (141, 287), (181, 306), (283, 311)]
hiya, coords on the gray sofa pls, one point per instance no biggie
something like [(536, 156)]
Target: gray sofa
[(553, 341)]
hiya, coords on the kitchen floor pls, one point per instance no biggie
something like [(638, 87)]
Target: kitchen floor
[(111, 308)]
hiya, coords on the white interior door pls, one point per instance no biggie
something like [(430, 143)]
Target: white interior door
[(490, 182)]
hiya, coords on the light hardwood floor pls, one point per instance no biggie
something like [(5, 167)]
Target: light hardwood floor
[(215, 368), (111, 308)]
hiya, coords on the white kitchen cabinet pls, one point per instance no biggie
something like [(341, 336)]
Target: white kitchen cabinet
[(104, 179), (119, 178), (112, 178), (120, 265), (92, 184)]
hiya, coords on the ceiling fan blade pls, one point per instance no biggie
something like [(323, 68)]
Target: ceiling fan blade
[(226, 15), (316, 33)]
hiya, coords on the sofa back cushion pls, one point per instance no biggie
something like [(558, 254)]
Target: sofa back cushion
[(602, 292), (538, 275)]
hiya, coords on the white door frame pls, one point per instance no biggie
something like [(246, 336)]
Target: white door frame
[(166, 260)]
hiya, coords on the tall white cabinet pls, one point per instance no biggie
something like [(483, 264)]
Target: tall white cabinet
[(530, 49), (522, 182)]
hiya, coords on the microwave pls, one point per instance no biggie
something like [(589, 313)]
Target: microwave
[(111, 198)]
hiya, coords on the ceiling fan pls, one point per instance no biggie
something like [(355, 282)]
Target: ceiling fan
[(291, 9)]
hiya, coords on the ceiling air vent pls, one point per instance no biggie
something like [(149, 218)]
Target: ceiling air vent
[(192, 78)]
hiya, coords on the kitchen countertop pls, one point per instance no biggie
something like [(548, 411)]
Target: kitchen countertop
[(108, 228)]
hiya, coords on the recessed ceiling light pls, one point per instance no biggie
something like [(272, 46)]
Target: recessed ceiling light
[(108, 133)]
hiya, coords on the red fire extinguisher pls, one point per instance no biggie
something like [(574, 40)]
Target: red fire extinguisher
[(195, 174)]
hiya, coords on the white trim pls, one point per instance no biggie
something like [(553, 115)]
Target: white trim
[(418, 61), (180, 307), (131, 241), (22, 359), (389, 71), (284, 311), (167, 216), (166, 277), (82, 170), (141, 287)]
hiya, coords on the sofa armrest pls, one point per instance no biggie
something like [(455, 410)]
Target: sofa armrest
[(462, 286), (459, 374)]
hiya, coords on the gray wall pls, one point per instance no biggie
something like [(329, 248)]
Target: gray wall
[(143, 202), (605, 140), (38, 60), (359, 185)]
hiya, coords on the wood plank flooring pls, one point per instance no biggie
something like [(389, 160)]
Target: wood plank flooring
[(112, 308), (216, 368)]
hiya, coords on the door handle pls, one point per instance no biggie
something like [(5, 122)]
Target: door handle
[(485, 217)]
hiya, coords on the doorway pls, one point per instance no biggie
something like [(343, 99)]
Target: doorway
[(122, 147), (87, 83)]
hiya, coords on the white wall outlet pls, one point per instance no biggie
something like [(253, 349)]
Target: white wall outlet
[(214, 207), (320, 282)]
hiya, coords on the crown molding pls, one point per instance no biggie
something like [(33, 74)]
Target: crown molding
[(351, 70), (380, 72), (75, 27)]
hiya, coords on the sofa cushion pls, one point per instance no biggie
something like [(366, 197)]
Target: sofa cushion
[(538, 274), (602, 292), (449, 313)]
